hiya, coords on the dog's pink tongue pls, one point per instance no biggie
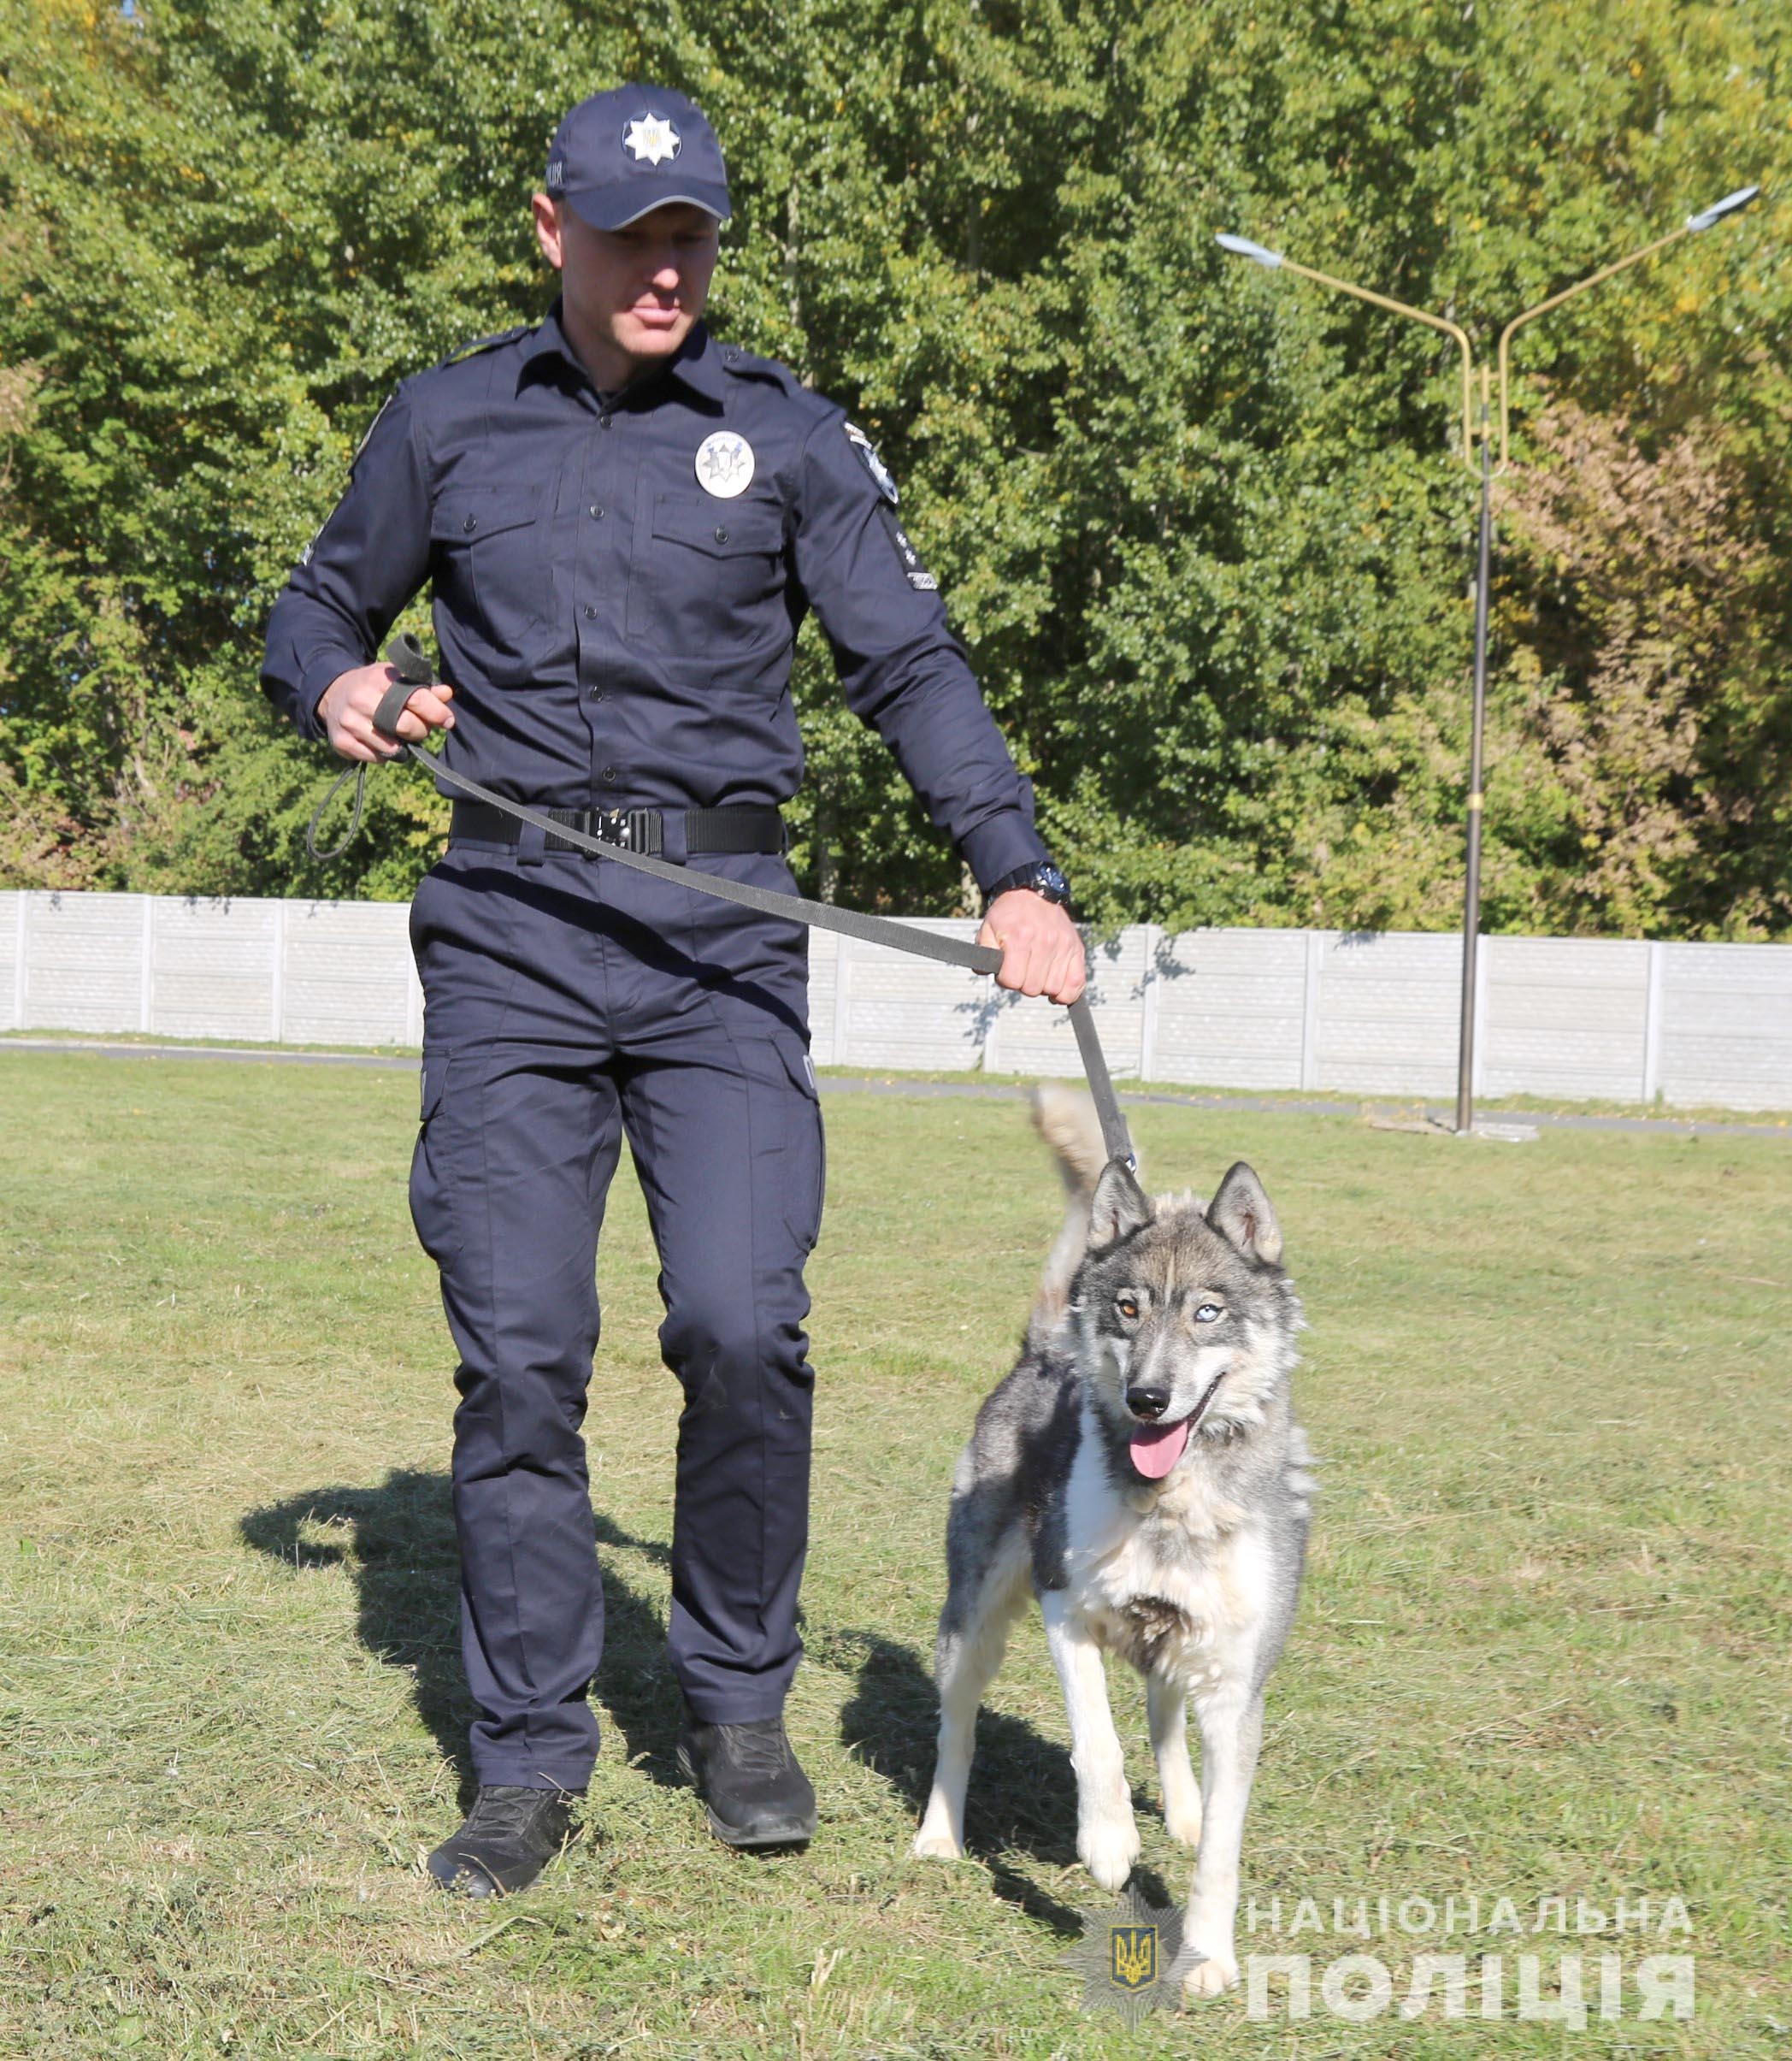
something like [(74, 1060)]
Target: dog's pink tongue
[(1157, 1447)]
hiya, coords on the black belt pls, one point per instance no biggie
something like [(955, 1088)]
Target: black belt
[(743, 827)]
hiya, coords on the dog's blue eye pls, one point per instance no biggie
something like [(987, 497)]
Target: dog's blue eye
[(1208, 1312)]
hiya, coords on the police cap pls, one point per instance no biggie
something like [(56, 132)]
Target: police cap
[(618, 155)]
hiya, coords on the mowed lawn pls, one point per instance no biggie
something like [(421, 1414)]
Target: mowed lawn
[(1542, 1651)]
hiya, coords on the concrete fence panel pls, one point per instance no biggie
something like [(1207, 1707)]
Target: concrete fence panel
[(348, 975), (1230, 1008), (86, 961), (892, 1010), (1726, 1025), (1389, 1011), (214, 968), (1565, 1016)]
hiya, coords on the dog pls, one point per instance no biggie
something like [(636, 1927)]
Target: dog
[(1141, 1471)]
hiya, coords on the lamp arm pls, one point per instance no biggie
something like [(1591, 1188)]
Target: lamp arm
[(1543, 307), (1418, 315)]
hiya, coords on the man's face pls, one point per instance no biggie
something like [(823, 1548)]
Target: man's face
[(638, 290)]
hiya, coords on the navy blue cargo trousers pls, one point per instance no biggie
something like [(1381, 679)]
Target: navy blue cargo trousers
[(569, 1000)]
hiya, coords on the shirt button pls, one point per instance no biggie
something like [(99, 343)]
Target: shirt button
[(721, 536), (597, 694), (590, 613), (597, 513), (606, 422), (471, 522), (608, 774)]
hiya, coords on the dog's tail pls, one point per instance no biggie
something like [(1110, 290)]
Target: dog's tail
[(1066, 1118)]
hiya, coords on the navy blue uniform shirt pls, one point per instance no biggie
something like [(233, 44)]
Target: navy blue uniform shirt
[(616, 633)]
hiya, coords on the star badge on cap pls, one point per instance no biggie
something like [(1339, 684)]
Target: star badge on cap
[(651, 139)]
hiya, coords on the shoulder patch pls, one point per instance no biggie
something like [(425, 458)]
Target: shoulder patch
[(367, 437), (865, 452)]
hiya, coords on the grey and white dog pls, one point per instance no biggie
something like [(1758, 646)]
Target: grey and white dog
[(1142, 1473)]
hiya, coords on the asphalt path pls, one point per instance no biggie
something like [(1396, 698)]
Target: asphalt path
[(1399, 1113)]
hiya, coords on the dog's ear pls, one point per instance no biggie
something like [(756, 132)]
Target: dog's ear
[(1118, 1206), (1241, 1214)]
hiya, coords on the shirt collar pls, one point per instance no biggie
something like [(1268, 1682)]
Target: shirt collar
[(697, 364)]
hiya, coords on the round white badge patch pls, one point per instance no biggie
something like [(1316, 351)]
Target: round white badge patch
[(725, 463)]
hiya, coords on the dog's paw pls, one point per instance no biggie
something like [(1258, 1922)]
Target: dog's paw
[(936, 1843), (1214, 1972), (1108, 1849), (1183, 1821)]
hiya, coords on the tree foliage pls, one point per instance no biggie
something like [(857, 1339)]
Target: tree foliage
[(1202, 527)]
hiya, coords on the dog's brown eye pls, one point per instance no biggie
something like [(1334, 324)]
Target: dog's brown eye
[(1128, 1307)]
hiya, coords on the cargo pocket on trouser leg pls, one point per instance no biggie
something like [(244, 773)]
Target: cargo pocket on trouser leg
[(788, 1153), (806, 1151), (432, 1174)]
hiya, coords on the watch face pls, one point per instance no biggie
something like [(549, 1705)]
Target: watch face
[(1052, 881)]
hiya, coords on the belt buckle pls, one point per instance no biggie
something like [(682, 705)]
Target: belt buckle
[(634, 829)]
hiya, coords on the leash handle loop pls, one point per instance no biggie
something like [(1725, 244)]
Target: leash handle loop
[(410, 662), (358, 775)]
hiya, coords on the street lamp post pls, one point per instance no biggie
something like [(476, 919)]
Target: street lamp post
[(1273, 261)]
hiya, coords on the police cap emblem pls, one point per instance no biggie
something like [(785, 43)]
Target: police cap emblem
[(652, 138), (725, 463)]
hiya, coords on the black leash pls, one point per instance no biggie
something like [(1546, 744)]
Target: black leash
[(410, 662)]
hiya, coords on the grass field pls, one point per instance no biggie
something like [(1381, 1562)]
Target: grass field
[(1544, 1648)]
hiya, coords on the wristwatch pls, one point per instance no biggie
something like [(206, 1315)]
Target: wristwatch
[(1042, 876)]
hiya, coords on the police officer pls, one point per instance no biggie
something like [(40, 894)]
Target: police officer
[(624, 523)]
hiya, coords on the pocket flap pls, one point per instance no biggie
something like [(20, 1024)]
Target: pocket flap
[(465, 516), (716, 526), (434, 1081), (799, 1068)]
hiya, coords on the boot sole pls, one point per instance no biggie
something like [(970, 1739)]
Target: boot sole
[(794, 1835)]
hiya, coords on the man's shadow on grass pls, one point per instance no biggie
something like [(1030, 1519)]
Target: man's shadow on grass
[(398, 1542)]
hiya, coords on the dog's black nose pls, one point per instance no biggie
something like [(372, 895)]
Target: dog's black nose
[(1147, 1402)]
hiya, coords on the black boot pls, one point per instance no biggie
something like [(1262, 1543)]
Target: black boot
[(509, 1836), (754, 1791)]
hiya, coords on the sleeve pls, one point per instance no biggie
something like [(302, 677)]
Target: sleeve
[(358, 573), (901, 669)]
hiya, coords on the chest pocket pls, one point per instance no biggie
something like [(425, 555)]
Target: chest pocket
[(708, 576), (494, 566)]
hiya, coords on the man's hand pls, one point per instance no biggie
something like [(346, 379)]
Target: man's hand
[(346, 710), (1041, 951)]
